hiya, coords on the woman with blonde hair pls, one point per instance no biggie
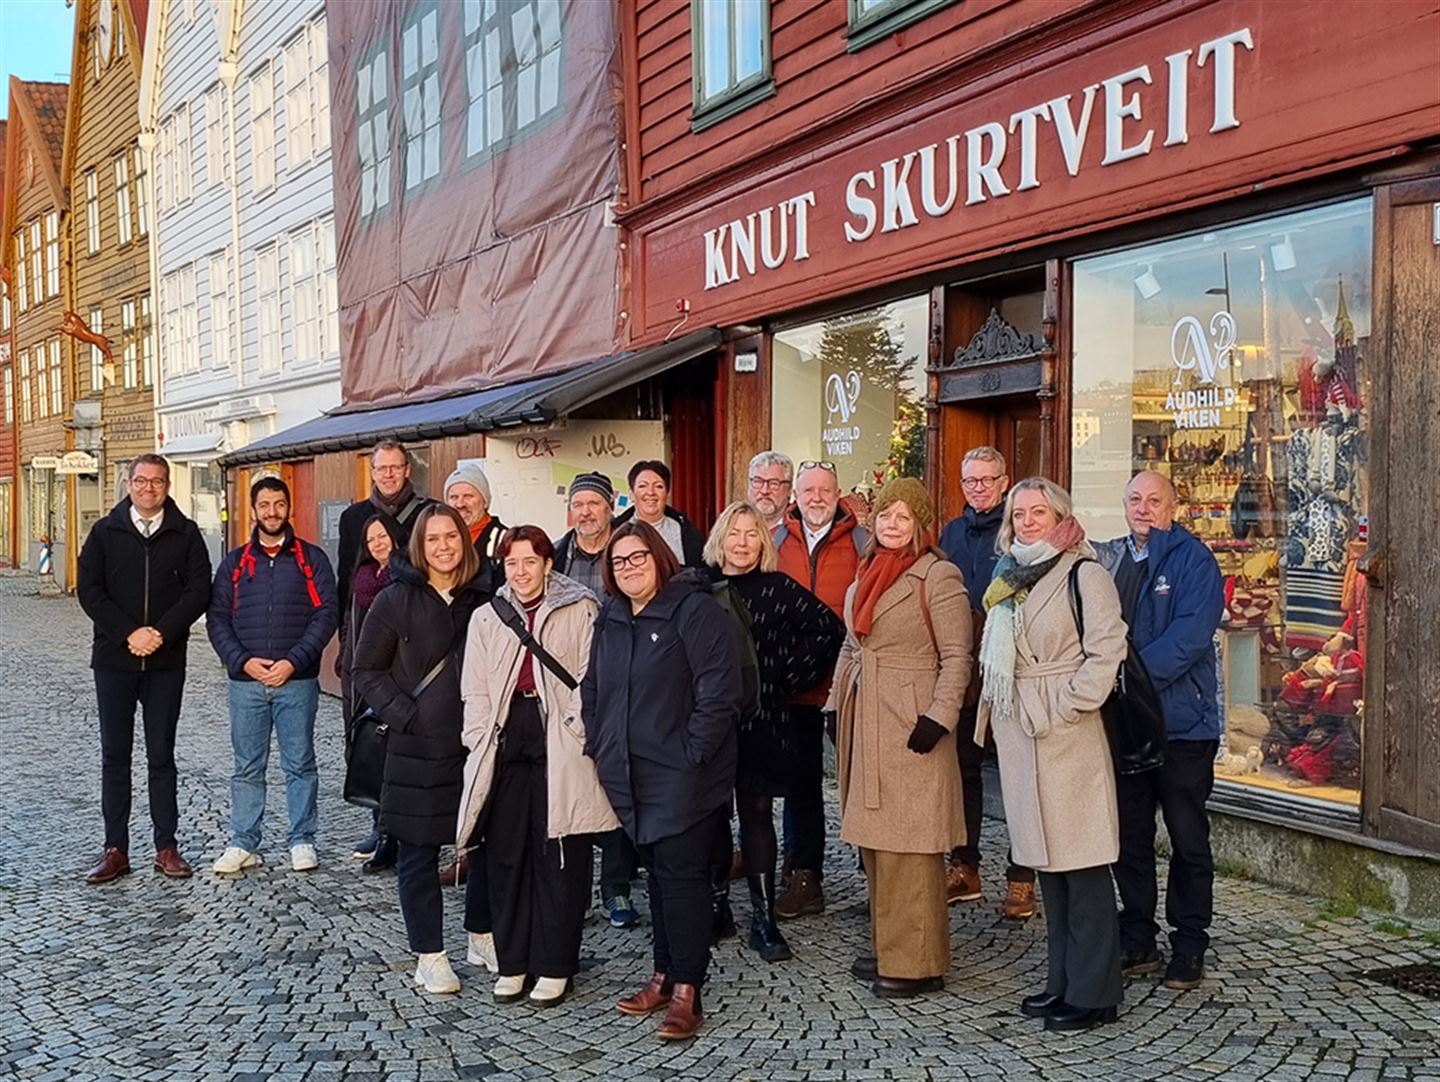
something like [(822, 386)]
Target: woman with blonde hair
[(796, 639), (898, 689), (1042, 687)]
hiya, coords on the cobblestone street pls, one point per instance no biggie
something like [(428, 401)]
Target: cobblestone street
[(280, 975)]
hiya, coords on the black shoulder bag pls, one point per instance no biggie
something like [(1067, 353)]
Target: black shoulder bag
[(365, 751), (1134, 720), (516, 623)]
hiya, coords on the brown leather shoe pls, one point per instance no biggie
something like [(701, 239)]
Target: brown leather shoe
[(169, 863), (962, 884), (111, 865), (802, 897), (649, 999), (1019, 901), (683, 1018)]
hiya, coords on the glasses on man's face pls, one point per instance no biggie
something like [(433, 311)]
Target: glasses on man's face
[(808, 465), (149, 482), (635, 559), (981, 482), (387, 470), (767, 483)]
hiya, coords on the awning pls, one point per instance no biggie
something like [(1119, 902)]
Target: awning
[(533, 401), (191, 445)]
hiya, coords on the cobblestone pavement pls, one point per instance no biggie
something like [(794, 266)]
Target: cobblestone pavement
[(287, 976)]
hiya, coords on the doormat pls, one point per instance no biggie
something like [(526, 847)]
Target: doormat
[(1420, 980)]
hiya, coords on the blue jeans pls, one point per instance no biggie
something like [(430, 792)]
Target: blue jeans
[(290, 711)]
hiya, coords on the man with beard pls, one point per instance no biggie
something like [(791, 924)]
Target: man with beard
[(467, 490), (272, 610), (392, 495), (772, 478)]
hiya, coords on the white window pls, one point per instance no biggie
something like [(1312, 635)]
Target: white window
[(9, 395), (313, 312), (512, 69), (330, 301), (222, 348), (37, 262), (42, 384), (21, 278), (57, 384), (262, 128), (27, 407), (267, 288), (215, 156), (164, 154), (97, 357), (147, 342), (92, 212), (420, 95), (4, 308), (119, 32), (182, 348), (189, 320), (373, 101), (733, 51), (123, 220), (52, 254), (183, 177), (127, 328), (307, 94), (142, 192)]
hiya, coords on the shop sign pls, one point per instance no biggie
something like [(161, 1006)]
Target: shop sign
[(1194, 350), (191, 423), (842, 395), (44, 462), (75, 463)]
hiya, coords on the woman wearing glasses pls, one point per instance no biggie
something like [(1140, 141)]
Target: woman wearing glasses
[(660, 701), (898, 688)]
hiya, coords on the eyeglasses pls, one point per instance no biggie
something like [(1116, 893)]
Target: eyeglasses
[(149, 482), (635, 559), (387, 469), (981, 482), (767, 483), (808, 465)]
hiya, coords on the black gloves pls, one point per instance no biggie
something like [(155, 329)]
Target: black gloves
[(925, 735)]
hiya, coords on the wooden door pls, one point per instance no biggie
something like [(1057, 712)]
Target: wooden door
[(1401, 798), (1010, 425)]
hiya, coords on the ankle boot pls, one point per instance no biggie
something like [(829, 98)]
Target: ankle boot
[(722, 924), (765, 937), (683, 1017), (384, 857)]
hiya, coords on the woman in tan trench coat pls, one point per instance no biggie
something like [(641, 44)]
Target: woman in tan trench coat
[(1042, 691), (899, 684)]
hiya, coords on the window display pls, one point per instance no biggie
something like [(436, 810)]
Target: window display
[(1234, 363), (851, 391)]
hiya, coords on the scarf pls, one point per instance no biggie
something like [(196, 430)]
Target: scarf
[(878, 574), (1015, 574), (370, 579), (392, 507), (478, 528)]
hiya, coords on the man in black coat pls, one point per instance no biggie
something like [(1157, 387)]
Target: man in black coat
[(144, 579), (392, 495)]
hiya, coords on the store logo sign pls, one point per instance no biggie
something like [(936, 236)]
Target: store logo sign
[(1193, 350), (842, 396)]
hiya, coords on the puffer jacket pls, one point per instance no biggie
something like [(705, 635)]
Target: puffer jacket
[(281, 607), (827, 572), (564, 624)]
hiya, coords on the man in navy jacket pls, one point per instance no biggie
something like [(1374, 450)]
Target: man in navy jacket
[(272, 610), (1172, 596)]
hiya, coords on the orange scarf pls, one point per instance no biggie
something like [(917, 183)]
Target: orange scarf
[(877, 574), (477, 529)]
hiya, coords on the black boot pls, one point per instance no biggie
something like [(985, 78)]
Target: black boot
[(722, 924), (384, 857), (765, 937)]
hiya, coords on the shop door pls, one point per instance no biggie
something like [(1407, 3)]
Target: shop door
[(1010, 425), (693, 451), (1402, 741)]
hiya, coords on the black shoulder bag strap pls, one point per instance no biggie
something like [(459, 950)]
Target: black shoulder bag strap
[(516, 623), (431, 676), (1077, 607)]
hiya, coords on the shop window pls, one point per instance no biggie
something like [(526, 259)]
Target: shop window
[(420, 95), (262, 129), (373, 133), (92, 212), (512, 70), (1235, 363), (851, 391), (871, 20), (730, 58)]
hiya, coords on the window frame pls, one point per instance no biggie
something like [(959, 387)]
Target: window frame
[(141, 179), (27, 395), (377, 115), (183, 164), (222, 309), (57, 382), (147, 342), (37, 265), (265, 164), (92, 212), (307, 89), (215, 149), (501, 23), (127, 328), (42, 382), (22, 277), (96, 323), (424, 72), (124, 217), (863, 29), (270, 344), (52, 254), (706, 112), (8, 378)]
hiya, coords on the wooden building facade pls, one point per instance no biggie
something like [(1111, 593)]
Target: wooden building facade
[(9, 427), (1102, 237)]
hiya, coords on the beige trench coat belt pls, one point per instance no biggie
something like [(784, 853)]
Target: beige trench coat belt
[(1038, 670)]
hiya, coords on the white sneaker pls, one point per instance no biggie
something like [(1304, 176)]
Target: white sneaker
[(303, 858), (509, 989), (549, 991), (433, 973), (481, 951), (235, 860)]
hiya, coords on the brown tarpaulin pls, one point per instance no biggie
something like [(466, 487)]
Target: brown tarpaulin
[(501, 265)]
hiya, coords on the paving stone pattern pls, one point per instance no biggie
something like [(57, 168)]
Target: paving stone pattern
[(290, 976)]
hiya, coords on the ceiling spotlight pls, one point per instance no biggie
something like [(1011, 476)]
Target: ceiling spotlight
[(1147, 284), (1283, 254)]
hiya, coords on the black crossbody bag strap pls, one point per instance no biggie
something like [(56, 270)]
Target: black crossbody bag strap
[(516, 623)]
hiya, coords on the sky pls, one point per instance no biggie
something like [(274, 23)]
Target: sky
[(35, 43)]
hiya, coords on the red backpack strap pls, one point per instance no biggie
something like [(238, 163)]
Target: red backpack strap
[(247, 559), (309, 575)]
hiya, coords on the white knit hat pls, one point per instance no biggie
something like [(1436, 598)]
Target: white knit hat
[(469, 474)]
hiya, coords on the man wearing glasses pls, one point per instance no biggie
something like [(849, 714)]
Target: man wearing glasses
[(144, 579), (969, 541), (392, 494), (772, 477)]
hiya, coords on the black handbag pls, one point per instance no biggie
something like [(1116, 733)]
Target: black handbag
[(1134, 719), (365, 748)]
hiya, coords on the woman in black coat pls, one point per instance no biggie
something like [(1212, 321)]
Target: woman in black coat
[(797, 639), (417, 623), (660, 701)]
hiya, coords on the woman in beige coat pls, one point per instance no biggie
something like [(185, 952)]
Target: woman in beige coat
[(898, 687), (530, 794), (1041, 694)]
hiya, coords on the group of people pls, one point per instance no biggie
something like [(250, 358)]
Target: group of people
[(636, 685)]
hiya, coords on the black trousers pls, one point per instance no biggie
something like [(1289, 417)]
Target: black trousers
[(805, 807), (680, 868), (539, 887), (1083, 937), (417, 875), (972, 793), (1180, 789), (158, 694), (618, 863)]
